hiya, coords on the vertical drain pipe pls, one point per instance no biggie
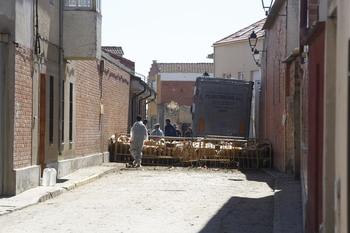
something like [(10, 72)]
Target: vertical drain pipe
[(60, 77), (1, 115)]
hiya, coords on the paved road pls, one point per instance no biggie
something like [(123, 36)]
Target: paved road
[(156, 199)]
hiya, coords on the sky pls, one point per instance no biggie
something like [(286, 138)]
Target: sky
[(178, 31)]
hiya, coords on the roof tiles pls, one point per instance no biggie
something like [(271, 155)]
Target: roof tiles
[(244, 33), (113, 50), (185, 67)]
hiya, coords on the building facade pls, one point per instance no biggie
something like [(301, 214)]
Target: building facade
[(61, 98), (308, 91), (174, 83)]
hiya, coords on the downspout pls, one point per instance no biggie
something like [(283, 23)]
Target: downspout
[(60, 77), (132, 103), (150, 93), (1, 115), (155, 96)]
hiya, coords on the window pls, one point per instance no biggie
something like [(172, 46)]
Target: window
[(240, 76), (71, 112), (51, 109), (82, 5)]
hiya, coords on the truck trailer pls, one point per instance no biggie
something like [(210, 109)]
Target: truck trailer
[(221, 107)]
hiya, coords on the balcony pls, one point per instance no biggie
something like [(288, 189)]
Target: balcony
[(82, 29)]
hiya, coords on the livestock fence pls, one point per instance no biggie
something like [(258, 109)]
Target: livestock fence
[(210, 151)]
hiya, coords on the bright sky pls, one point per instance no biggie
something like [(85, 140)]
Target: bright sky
[(173, 31)]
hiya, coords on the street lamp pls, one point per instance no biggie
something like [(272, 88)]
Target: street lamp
[(256, 57), (253, 39), (266, 6)]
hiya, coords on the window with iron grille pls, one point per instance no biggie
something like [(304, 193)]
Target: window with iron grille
[(82, 5)]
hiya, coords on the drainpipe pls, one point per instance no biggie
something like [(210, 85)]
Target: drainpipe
[(155, 96), (1, 114), (60, 77), (150, 93), (132, 103)]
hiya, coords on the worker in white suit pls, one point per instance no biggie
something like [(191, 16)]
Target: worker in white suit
[(138, 135)]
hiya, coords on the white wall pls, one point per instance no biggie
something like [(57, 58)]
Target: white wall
[(24, 23), (235, 58)]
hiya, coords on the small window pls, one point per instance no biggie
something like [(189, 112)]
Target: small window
[(86, 5), (78, 4)]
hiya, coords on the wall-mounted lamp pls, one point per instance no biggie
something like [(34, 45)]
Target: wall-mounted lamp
[(253, 39), (256, 57), (266, 4)]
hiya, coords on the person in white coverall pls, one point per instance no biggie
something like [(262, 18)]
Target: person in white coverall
[(138, 135)]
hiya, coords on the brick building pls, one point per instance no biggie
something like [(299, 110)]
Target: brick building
[(174, 83), (305, 103), (62, 98)]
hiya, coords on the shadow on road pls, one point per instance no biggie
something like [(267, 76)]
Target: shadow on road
[(243, 215)]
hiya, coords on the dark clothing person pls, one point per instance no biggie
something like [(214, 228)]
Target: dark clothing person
[(169, 129), (188, 132)]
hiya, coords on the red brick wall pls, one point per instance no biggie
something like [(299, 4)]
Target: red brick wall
[(22, 153), (179, 91), (273, 97), (92, 89)]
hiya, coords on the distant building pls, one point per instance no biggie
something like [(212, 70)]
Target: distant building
[(140, 92), (232, 56), (174, 83)]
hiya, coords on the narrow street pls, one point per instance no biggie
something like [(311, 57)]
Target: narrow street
[(156, 199)]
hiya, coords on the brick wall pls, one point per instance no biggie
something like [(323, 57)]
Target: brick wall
[(23, 108), (112, 90), (179, 91), (273, 97)]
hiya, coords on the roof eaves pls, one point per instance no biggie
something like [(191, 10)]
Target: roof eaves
[(235, 41), (273, 14), (116, 62)]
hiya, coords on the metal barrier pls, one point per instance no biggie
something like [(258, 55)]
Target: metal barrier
[(210, 151)]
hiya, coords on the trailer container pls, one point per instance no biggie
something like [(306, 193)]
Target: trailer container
[(221, 107)]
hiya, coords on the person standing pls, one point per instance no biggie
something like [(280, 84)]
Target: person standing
[(178, 132), (145, 122), (138, 135), (188, 132), (157, 131), (169, 129)]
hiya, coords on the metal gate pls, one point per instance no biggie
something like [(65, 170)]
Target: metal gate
[(210, 151)]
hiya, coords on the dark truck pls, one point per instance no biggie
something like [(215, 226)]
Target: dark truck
[(221, 107)]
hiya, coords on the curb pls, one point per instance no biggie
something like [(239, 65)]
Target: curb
[(61, 190), (277, 228)]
